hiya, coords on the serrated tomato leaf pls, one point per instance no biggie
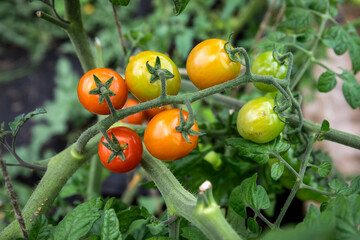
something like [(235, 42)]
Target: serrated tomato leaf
[(78, 222)]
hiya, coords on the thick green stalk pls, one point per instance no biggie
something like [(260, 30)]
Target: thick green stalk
[(182, 203), (60, 168), (78, 35)]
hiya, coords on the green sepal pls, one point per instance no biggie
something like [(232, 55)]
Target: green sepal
[(107, 145), (121, 155), (153, 78), (98, 83), (111, 157), (114, 139), (182, 119), (150, 68), (168, 74), (2, 127), (186, 136), (108, 83), (195, 133)]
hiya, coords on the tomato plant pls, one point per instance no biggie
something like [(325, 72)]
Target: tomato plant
[(91, 101), (133, 151), (266, 64), (258, 122), (137, 76), (163, 141), (137, 118), (208, 64)]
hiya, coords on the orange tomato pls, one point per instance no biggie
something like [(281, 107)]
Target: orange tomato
[(150, 113), (90, 101), (208, 64), (163, 141), (137, 118)]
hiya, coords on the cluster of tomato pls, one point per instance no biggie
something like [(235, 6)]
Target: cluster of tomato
[(208, 64)]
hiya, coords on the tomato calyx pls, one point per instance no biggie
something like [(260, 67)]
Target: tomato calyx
[(185, 127), (103, 89), (114, 146), (232, 53), (157, 72)]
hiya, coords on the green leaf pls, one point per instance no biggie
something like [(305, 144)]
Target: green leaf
[(257, 152), (192, 233), (337, 38), (327, 81), (324, 169), (338, 185), (110, 227), (354, 186), (155, 229), (79, 221), (325, 126), (39, 229), (180, 5), (126, 217), (351, 89), (354, 47), (296, 18), (277, 169), (249, 194), (253, 225), (307, 35), (120, 2), (109, 203), (160, 238), (22, 118)]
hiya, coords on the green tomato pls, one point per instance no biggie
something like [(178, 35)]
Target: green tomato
[(265, 64), (258, 122)]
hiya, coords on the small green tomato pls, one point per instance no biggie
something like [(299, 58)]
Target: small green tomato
[(258, 122), (265, 64)]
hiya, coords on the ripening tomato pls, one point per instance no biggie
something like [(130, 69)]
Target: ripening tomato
[(163, 141), (91, 102), (258, 122), (265, 64), (137, 76), (133, 152), (137, 118), (150, 113), (208, 64)]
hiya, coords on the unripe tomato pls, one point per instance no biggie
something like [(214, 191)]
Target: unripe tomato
[(163, 141), (137, 118), (137, 76), (258, 122), (133, 152), (208, 64), (265, 64), (150, 113), (91, 102)]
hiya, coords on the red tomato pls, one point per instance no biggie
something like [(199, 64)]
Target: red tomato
[(137, 118), (163, 141), (133, 152), (91, 102), (208, 64)]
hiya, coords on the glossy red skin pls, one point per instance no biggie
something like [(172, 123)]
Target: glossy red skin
[(208, 64), (91, 102), (137, 76), (133, 152), (163, 141), (137, 118)]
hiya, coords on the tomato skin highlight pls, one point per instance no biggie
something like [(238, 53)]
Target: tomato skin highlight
[(265, 64), (91, 102), (258, 122), (208, 64), (163, 141), (133, 153), (137, 76), (137, 118)]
